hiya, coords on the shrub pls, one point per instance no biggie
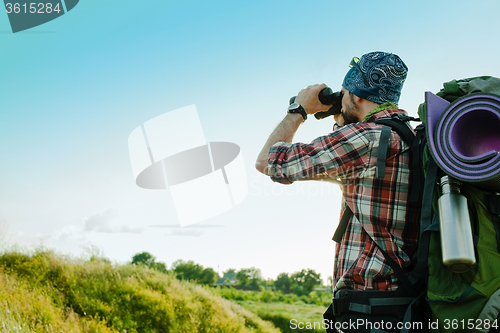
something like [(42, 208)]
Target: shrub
[(44, 292)]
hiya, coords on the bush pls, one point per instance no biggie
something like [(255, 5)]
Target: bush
[(44, 292), (267, 295)]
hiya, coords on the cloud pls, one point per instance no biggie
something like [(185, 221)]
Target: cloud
[(69, 233), (100, 222), (103, 222)]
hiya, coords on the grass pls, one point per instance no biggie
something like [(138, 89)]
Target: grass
[(44, 292), (270, 296), (281, 314), (281, 308)]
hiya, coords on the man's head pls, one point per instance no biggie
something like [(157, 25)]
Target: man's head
[(377, 77)]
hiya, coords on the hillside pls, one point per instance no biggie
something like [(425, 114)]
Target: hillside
[(45, 292)]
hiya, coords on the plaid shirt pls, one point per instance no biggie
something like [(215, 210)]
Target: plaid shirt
[(383, 218)]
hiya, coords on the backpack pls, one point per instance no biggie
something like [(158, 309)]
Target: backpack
[(432, 297), (469, 118)]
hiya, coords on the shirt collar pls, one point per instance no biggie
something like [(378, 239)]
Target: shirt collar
[(383, 110)]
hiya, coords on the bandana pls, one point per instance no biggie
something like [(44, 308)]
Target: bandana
[(384, 73)]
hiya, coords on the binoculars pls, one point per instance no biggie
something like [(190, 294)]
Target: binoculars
[(327, 97)]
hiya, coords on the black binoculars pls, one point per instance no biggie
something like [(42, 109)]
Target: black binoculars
[(327, 97)]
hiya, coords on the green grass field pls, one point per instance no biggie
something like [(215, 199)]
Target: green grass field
[(44, 292), (281, 315), (281, 309)]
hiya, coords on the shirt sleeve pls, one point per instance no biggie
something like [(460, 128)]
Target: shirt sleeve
[(330, 157)]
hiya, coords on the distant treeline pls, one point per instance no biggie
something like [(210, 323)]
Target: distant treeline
[(299, 283)]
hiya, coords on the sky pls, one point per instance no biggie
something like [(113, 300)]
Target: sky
[(72, 90)]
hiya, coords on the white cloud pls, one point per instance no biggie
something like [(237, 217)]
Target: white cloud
[(100, 222), (69, 233), (103, 222)]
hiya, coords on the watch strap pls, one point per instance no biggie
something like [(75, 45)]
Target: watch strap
[(300, 110)]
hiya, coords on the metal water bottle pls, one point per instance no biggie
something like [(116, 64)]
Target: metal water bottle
[(456, 232)]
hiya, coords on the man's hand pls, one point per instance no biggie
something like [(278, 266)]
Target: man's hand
[(285, 131), (308, 98)]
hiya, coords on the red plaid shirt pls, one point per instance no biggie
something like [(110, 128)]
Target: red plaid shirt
[(383, 218)]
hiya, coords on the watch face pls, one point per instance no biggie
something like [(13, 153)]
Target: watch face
[(293, 106)]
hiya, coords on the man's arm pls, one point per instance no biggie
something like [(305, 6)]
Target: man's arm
[(286, 129)]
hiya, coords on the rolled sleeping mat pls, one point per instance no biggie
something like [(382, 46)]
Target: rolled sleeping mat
[(464, 137)]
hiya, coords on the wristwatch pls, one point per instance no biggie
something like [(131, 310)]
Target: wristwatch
[(297, 108)]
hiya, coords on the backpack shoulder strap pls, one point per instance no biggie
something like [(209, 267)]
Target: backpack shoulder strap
[(400, 127), (341, 228), (398, 124)]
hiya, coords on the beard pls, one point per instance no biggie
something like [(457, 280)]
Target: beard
[(350, 111)]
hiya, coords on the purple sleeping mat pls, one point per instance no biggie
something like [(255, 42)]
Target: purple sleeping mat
[(464, 137)]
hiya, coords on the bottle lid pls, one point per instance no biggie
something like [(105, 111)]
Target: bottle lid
[(449, 185)]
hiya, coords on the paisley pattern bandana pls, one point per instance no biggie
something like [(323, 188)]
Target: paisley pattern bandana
[(378, 77)]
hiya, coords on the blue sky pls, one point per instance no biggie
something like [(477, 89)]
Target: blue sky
[(73, 89)]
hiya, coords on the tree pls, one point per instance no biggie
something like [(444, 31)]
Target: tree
[(147, 259), (249, 277), (191, 271), (282, 281), (305, 281), (208, 276), (144, 258), (242, 277), (160, 266), (229, 276)]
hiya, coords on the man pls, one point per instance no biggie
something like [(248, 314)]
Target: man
[(383, 223)]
